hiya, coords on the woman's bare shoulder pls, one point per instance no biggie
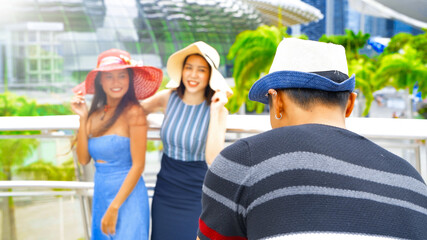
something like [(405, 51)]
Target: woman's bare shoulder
[(134, 114)]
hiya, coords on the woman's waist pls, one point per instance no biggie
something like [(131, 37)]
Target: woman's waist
[(183, 154), (112, 168), (182, 172)]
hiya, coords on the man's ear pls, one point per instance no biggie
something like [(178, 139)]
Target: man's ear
[(278, 103), (350, 104)]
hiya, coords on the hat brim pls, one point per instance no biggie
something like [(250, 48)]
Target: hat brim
[(295, 79), (175, 65), (146, 80)]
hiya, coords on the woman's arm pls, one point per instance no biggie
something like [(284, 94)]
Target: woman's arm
[(78, 105), (138, 144), (217, 126), (157, 102)]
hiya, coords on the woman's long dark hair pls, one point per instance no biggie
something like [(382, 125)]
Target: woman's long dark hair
[(209, 92), (100, 100)]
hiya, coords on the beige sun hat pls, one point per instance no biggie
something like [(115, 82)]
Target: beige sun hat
[(176, 63)]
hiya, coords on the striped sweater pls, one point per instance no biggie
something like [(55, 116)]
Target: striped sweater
[(312, 182)]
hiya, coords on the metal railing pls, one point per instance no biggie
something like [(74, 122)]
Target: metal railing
[(409, 135)]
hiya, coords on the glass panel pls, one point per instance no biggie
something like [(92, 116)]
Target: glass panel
[(104, 46), (46, 64), (58, 78), (68, 48), (33, 51), (57, 51), (32, 37), (70, 63), (45, 78), (97, 21), (59, 64), (108, 22), (131, 47), (123, 22), (45, 36), (104, 34), (147, 47), (34, 78), (86, 48), (79, 23), (21, 36), (126, 35), (45, 50), (118, 11), (33, 65), (47, 217), (19, 65), (21, 51)]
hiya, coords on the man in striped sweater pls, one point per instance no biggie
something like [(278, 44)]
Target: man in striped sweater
[(309, 177)]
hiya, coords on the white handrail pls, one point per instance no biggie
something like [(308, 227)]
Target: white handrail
[(388, 128), (46, 184)]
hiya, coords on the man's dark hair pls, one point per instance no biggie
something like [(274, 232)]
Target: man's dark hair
[(306, 97)]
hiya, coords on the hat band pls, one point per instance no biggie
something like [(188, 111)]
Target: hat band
[(213, 63), (113, 60), (334, 75)]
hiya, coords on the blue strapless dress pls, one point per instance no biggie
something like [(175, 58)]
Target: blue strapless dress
[(134, 217)]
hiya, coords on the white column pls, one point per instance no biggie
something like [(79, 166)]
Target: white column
[(296, 30), (362, 23)]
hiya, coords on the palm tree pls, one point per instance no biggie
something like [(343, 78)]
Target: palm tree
[(364, 68), (253, 53), (350, 41), (361, 65), (403, 71)]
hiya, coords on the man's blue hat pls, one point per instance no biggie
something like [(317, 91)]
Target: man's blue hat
[(305, 64)]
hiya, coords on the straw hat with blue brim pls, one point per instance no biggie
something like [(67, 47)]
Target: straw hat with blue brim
[(305, 64), (176, 63)]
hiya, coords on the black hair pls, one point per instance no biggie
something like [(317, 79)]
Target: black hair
[(307, 97), (209, 92), (100, 100)]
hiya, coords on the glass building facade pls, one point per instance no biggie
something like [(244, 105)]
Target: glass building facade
[(346, 18), (50, 45)]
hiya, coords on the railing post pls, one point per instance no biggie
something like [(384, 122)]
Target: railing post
[(86, 212)]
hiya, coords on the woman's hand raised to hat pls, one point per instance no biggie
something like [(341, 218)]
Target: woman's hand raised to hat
[(219, 99), (78, 105)]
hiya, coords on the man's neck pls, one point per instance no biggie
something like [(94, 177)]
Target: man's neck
[(319, 115)]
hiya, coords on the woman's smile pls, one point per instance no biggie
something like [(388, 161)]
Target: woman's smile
[(192, 83)]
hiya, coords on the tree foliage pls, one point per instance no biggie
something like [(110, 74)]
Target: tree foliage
[(350, 41), (13, 151), (41, 170), (401, 65), (253, 53), (404, 70)]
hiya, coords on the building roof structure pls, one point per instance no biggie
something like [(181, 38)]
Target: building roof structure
[(287, 13), (412, 12)]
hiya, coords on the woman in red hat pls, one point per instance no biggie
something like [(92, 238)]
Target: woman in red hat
[(193, 133), (114, 133)]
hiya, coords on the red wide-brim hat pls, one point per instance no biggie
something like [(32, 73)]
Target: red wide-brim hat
[(146, 79)]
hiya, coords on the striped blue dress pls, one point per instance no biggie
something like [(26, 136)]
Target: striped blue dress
[(176, 205)]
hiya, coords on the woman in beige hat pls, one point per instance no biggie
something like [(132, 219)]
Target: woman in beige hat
[(193, 133), (114, 133)]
